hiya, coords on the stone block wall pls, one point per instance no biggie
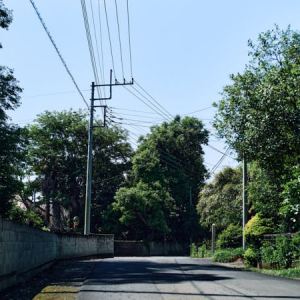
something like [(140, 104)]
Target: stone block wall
[(22, 249), (25, 251)]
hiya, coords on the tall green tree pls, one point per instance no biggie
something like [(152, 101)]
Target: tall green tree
[(11, 141), (259, 112), (169, 161), (220, 202), (259, 116), (58, 154)]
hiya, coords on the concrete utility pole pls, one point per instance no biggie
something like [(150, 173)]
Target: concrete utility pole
[(213, 239), (245, 211), (87, 216), (87, 219), (191, 203)]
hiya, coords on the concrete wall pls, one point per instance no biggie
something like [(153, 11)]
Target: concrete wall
[(134, 248), (74, 245), (25, 251)]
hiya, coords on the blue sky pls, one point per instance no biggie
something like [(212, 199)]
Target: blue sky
[(182, 51)]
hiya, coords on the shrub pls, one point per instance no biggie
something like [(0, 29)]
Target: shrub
[(193, 250), (256, 228), (228, 255), (28, 217), (295, 244), (238, 253), (199, 251), (222, 256), (231, 237), (282, 253), (252, 257)]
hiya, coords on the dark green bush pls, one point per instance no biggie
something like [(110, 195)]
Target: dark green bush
[(231, 237)]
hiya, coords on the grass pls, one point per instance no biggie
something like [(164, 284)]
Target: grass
[(287, 273), (58, 292)]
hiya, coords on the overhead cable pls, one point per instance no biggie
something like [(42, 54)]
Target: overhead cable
[(163, 116), (208, 145), (101, 43), (58, 52), (216, 166), (96, 39), (111, 51), (198, 110), (129, 39), (120, 43), (154, 99), (90, 45)]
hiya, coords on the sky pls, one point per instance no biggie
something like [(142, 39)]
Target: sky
[(182, 54)]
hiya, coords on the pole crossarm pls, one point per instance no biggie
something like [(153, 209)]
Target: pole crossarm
[(110, 85)]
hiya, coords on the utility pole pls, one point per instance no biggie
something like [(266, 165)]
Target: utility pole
[(87, 219), (87, 216), (191, 203), (245, 211)]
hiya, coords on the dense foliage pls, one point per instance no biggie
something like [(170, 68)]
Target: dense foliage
[(169, 162), (11, 141), (58, 155), (220, 202), (259, 114)]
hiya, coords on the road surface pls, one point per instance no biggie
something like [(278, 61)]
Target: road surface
[(175, 278)]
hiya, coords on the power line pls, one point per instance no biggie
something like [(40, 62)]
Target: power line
[(161, 110), (220, 151), (216, 166), (97, 47), (145, 112), (58, 52), (101, 43), (124, 114), (90, 45), (139, 121), (163, 116), (111, 52), (153, 99), (117, 15), (129, 39), (198, 110)]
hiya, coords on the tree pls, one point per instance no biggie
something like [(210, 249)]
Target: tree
[(169, 161), (259, 116), (11, 142), (58, 154), (220, 202), (142, 209), (259, 112)]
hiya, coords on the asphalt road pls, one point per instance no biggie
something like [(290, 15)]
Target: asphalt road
[(174, 278)]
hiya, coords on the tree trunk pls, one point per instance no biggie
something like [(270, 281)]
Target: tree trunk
[(56, 216)]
